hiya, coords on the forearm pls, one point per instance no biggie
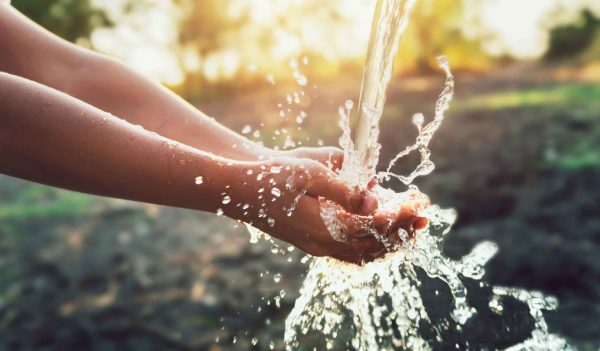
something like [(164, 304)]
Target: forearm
[(34, 53), (51, 138), (113, 87)]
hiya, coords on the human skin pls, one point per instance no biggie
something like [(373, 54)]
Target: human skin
[(71, 142), (36, 54), (51, 138), (32, 52)]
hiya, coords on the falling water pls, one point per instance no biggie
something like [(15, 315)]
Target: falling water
[(389, 23), (397, 302)]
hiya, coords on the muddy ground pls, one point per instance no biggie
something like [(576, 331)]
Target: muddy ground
[(518, 157)]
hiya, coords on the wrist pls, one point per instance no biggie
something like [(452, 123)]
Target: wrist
[(235, 189)]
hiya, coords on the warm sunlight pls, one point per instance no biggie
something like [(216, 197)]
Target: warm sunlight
[(257, 38), (521, 27)]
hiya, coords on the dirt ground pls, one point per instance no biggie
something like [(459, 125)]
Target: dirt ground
[(518, 157)]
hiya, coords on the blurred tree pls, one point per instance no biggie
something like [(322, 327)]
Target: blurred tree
[(439, 27), (574, 39), (70, 19), (245, 40)]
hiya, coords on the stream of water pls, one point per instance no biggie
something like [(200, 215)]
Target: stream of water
[(414, 298)]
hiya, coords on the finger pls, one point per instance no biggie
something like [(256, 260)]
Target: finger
[(372, 183), (418, 201), (370, 204), (322, 182), (421, 223), (363, 251), (355, 226), (308, 219), (330, 157)]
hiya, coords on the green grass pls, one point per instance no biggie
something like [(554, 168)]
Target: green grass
[(572, 95), (590, 158), (569, 101)]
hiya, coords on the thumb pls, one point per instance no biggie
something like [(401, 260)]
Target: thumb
[(322, 182)]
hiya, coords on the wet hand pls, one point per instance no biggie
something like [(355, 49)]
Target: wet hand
[(283, 197), (381, 232), (331, 157)]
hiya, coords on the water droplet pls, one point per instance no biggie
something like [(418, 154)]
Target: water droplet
[(302, 80), (219, 212), (254, 341), (275, 170), (226, 200), (412, 314), (418, 119), (349, 104), (234, 339), (288, 143), (271, 222), (247, 129), (199, 180), (495, 305), (276, 192)]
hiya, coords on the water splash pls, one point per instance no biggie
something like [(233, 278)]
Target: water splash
[(389, 23), (426, 166), (381, 305), (387, 304)]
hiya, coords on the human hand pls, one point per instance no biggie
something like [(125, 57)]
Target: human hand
[(284, 198), (331, 157)]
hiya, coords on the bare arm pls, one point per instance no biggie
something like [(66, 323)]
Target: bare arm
[(56, 139), (30, 51), (52, 138)]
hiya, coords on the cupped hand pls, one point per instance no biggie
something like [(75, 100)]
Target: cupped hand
[(284, 197)]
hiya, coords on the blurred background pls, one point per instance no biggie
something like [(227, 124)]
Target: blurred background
[(518, 157)]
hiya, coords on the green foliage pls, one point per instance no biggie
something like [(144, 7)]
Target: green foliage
[(437, 27), (70, 19), (564, 97), (573, 39), (41, 201), (571, 110)]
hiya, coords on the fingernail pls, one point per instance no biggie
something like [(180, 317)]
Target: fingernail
[(372, 183)]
